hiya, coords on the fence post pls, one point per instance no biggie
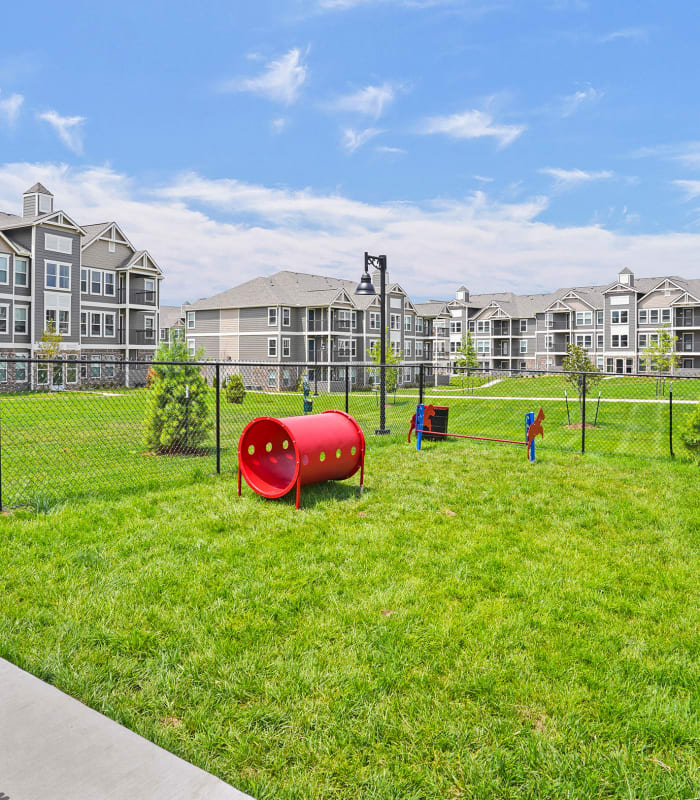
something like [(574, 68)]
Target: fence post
[(670, 418), (420, 384), (583, 413), (218, 418), (347, 389)]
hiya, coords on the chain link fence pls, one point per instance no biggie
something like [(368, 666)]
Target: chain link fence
[(69, 430)]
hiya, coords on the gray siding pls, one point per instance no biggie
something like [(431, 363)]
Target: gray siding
[(97, 255), (41, 256)]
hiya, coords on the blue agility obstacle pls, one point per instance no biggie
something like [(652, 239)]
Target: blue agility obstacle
[(422, 423)]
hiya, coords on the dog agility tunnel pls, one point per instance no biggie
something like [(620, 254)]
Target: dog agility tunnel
[(278, 455)]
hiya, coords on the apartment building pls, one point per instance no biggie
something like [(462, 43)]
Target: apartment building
[(316, 320), (172, 323), (613, 323), (87, 282), (293, 318)]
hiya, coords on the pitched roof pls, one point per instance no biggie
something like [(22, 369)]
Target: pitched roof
[(93, 231), (170, 316), (433, 308), (38, 188)]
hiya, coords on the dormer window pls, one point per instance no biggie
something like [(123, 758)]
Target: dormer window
[(45, 204)]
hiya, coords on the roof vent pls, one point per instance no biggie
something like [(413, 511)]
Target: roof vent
[(626, 277), (37, 200)]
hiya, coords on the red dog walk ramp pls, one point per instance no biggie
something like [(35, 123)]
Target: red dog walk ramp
[(278, 455)]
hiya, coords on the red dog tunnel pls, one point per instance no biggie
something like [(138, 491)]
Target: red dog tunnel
[(277, 455)]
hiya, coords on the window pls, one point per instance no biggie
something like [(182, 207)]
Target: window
[(190, 319), (523, 326), (665, 315), (272, 347), (4, 269), (455, 327), (95, 324), (108, 370), (419, 324), (620, 341), (600, 363), (272, 316), (109, 324), (584, 340), (407, 323), (112, 247), (523, 345), (549, 320), (419, 349), (642, 340), (44, 204), (374, 320), (353, 317), (483, 326), (162, 334), (83, 323), (584, 317), (642, 315), (654, 315), (95, 282), (272, 378), (109, 284), (549, 341), (58, 244), (598, 317), (149, 286), (42, 374), (21, 371), (286, 317), (57, 320), (191, 347), (599, 341), (395, 322), (286, 347), (3, 318), (21, 320), (71, 370), (407, 348), (453, 347), (21, 272), (57, 275), (619, 317), (3, 371), (353, 347), (95, 367), (149, 333), (83, 280), (483, 346)]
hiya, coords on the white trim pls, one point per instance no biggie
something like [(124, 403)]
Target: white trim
[(14, 273), (6, 257), (6, 306), (59, 264)]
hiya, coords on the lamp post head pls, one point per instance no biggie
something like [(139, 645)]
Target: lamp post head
[(365, 286)]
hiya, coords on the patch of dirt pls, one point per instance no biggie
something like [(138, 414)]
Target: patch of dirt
[(172, 722)]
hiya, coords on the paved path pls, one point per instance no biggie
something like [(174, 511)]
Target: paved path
[(52, 746), (589, 398)]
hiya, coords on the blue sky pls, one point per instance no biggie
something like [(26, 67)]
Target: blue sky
[(504, 144)]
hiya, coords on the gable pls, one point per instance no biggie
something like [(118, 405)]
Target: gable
[(59, 219)]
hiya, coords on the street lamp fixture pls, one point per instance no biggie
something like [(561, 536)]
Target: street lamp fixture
[(366, 287)]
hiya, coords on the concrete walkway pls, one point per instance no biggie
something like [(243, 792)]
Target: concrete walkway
[(52, 746)]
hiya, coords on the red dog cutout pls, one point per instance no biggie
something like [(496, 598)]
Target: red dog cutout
[(536, 427)]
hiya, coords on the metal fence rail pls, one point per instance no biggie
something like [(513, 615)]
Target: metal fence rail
[(69, 430)]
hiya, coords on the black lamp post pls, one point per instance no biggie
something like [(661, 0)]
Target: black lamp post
[(366, 287)]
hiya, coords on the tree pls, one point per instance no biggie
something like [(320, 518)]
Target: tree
[(576, 362), (660, 354), (177, 417), (392, 357), (50, 349), (466, 355), (234, 389), (690, 435)]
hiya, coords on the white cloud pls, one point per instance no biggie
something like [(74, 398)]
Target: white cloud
[(10, 108), (353, 140), (397, 151), (372, 100), (279, 124), (565, 178), (574, 101), (688, 153), (472, 125), (483, 179), (69, 129), (641, 34), (280, 81), (209, 235), (691, 189)]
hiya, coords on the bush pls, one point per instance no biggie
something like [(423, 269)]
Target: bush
[(690, 435), (234, 389), (150, 377), (177, 418)]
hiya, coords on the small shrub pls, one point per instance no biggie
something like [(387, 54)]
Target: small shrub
[(234, 389), (690, 435), (150, 377)]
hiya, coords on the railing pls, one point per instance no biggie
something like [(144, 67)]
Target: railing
[(316, 325), (143, 298), (341, 325), (146, 337)]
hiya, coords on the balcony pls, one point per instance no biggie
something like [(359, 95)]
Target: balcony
[(146, 338), (342, 325), (143, 298), (316, 326), (685, 345)]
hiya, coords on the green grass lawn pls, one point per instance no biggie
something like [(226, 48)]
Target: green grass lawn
[(74, 444), (471, 627)]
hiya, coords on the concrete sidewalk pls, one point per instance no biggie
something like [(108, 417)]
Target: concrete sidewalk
[(52, 746)]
